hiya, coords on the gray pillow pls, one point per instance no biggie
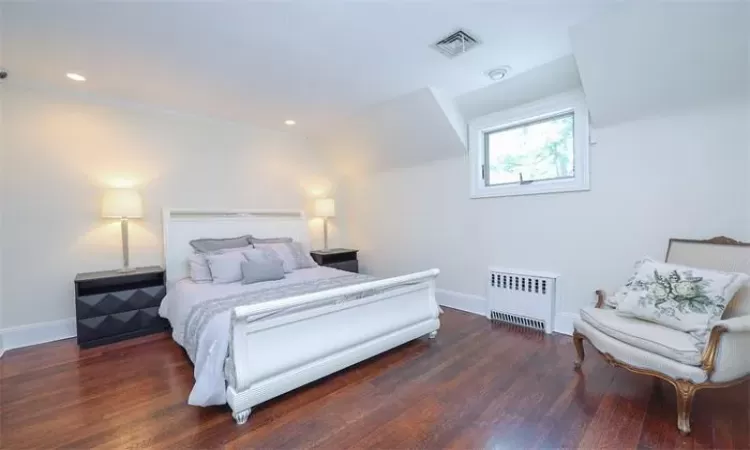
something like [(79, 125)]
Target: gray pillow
[(273, 240), (212, 245), (255, 271), (292, 254)]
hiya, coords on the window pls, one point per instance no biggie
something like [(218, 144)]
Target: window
[(537, 148)]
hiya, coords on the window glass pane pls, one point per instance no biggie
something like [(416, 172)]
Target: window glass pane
[(541, 150)]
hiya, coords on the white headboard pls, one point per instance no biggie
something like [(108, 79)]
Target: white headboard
[(183, 225)]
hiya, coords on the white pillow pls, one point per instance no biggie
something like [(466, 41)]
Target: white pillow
[(302, 256), (680, 297), (199, 271), (225, 267), (198, 267)]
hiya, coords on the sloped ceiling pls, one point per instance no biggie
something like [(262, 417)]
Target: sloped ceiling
[(649, 58), (558, 76), (637, 60), (427, 125), (407, 131)]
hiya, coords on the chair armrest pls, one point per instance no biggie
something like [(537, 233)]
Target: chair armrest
[(734, 326), (601, 297)]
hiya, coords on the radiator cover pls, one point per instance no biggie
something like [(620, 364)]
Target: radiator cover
[(522, 297)]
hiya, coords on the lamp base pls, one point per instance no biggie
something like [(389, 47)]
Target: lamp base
[(125, 250)]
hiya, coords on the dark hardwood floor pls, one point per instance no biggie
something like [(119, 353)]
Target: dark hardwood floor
[(478, 385)]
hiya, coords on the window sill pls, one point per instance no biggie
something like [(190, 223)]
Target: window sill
[(529, 189)]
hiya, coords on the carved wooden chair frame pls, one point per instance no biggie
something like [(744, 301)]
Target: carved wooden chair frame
[(685, 389)]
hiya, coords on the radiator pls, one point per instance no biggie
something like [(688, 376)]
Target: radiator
[(522, 297)]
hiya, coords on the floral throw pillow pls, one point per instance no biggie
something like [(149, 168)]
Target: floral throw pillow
[(614, 300), (681, 297)]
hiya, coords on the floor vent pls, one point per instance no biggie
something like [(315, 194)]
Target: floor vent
[(522, 297), (520, 321), (456, 44)]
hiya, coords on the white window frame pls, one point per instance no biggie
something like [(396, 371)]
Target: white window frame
[(526, 114)]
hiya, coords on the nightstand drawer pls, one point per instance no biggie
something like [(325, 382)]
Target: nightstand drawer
[(349, 266), (119, 301), (140, 321)]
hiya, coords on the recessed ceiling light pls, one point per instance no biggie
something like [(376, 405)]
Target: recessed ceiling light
[(290, 122), (499, 73), (75, 76)]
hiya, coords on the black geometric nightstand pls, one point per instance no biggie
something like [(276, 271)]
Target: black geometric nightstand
[(112, 306), (338, 258)]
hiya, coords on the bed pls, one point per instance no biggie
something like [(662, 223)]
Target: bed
[(251, 343)]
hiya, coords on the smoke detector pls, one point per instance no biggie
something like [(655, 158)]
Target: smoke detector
[(456, 44), (498, 73)]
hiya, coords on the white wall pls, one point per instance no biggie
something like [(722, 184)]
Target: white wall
[(677, 176), (2, 175), (62, 151)]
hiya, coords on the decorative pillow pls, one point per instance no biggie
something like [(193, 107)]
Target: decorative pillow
[(256, 271), (199, 271), (281, 252), (261, 255), (302, 256), (680, 297), (292, 254), (613, 300), (225, 267), (213, 245)]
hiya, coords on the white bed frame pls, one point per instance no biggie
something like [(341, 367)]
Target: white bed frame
[(276, 351)]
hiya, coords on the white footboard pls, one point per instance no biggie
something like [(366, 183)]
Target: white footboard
[(280, 345)]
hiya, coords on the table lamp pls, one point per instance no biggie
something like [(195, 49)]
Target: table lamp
[(325, 208), (123, 204)]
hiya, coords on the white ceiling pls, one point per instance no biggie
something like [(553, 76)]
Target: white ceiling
[(684, 55), (311, 61)]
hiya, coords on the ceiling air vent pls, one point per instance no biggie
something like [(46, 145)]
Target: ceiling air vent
[(456, 44)]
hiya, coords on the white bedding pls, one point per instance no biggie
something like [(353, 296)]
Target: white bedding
[(210, 387)]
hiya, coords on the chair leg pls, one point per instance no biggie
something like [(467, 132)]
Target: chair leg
[(578, 343), (685, 393)]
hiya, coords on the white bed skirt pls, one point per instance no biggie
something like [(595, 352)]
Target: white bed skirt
[(274, 353)]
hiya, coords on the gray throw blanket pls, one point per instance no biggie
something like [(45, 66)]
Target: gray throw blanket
[(202, 314)]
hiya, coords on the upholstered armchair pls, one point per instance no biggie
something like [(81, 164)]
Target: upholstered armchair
[(651, 349)]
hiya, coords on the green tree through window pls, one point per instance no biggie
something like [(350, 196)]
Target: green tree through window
[(541, 150)]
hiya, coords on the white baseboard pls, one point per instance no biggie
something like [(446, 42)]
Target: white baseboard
[(478, 305), (38, 333), (564, 322), (465, 302)]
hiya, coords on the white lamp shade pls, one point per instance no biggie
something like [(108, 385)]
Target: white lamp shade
[(325, 207), (118, 203)]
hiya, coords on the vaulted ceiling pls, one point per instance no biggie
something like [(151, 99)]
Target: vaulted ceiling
[(265, 62), (361, 77), (645, 59), (634, 60)]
